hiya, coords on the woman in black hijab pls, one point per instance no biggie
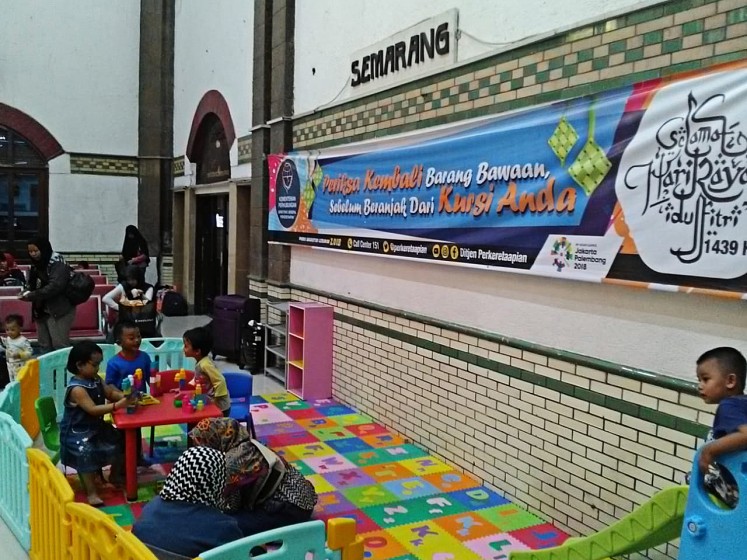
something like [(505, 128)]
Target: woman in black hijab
[(51, 310), (134, 253)]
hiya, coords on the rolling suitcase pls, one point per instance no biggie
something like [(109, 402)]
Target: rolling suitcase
[(231, 316)]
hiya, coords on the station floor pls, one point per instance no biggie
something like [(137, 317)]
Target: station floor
[(408, 505)]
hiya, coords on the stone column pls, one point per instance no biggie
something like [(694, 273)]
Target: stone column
[(156, 123), (272, 107)]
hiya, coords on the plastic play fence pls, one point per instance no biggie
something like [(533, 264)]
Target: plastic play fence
[(14, 498), (36, 501)]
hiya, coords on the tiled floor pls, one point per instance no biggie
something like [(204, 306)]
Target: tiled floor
[(407, 504)]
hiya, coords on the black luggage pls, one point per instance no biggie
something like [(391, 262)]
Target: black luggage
[(231, 316), (253, 347), (173, 304)]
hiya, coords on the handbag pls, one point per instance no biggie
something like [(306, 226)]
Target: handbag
[(79, 287)]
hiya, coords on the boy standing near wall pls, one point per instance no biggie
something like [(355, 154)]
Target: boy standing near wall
[(721, 379)]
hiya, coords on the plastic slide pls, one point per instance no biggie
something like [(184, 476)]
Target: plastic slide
[(656, 522)]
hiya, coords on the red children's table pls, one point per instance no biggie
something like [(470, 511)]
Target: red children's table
[(161, 414)]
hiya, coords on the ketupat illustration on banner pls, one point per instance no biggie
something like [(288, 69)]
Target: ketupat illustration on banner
[(643, 184)]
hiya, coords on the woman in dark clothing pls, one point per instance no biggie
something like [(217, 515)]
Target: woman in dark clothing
[(51, 310), (134, 252), (192, 495)]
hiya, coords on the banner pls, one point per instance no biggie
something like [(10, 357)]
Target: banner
[(644, 184)]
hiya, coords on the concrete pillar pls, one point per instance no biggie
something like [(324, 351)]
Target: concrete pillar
[(272, 107), (155, 123)]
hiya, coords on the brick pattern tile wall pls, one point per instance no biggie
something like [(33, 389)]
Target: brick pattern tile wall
[(105, 262), (245, 149), (577, 441), (661, 40), (177, 166), (167, 270)]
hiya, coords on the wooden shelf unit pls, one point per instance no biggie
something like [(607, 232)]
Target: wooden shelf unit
[(309, 350)]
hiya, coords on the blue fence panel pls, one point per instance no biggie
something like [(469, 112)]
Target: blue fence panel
[(53, 376), (303, 541), (168, 353), (14, 480), (10, 401), (109, 351)]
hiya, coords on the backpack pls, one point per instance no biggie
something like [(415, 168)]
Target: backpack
[(79, 287), (173, 304)]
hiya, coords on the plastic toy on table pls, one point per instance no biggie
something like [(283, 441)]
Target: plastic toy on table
[(155, 382), (127, 392), (146, 399), (181, 378)]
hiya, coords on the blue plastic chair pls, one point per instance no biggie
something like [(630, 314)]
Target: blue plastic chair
[(240, 388)]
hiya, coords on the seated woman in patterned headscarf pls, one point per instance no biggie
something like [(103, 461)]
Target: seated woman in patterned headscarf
[(263, 491), (193, 492)]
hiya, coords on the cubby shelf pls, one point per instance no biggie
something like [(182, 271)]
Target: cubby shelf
[(309, 350), (276, 336)]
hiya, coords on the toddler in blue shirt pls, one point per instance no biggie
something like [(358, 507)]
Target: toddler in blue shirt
[(721, 379)]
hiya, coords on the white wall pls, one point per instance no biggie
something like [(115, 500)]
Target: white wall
[(89, 212), (73, 66), (657, 331), (213, 50), (329, 31)]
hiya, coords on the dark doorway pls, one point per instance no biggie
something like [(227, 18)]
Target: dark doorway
[(211, 255), (23, 192)]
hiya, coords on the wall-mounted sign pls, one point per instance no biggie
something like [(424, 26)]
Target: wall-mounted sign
[(645, 184), (424, 47)]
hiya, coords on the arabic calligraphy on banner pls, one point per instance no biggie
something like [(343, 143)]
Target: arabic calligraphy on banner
[(642, 184)]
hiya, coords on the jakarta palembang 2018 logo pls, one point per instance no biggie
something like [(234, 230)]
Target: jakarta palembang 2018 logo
[(562, 253)]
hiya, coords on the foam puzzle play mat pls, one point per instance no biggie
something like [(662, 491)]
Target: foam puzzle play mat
[(407, 504)]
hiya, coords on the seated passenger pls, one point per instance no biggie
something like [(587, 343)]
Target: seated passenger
[(186, 517), (263, 491), (132, 289), (10, 275)]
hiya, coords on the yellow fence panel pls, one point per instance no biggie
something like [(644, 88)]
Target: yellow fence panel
[(49, 494), (97, 537), (28, 378)]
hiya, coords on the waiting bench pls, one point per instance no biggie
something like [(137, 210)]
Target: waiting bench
[(88, 321)]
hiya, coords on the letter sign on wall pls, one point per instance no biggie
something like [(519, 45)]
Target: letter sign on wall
[(424, 47)]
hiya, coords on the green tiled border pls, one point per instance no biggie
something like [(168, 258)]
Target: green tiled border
[(101, 164), (679, 385), (625, 407), (470, 83), (619, 405)]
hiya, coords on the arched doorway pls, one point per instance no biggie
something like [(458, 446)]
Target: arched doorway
[(24, 179), (211, 155)]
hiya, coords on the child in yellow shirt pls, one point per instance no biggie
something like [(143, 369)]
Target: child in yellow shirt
[(197, 344)]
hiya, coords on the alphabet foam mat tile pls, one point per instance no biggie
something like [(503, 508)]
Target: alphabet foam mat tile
[(407, 504)]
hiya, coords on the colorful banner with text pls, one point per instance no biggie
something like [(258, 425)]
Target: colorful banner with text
[(644, 184)]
